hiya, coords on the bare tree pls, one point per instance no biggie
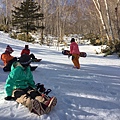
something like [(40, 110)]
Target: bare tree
[(98, 7), (109, 20), (117, 18), (63, 17)]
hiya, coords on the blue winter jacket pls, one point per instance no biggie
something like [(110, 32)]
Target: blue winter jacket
[(19, 77)]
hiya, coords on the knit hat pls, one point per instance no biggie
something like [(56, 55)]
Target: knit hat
[(9, 49), (26, 46), (25, 59), (72, 40)]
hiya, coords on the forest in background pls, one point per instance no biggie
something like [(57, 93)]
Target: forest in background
[(98, 20)]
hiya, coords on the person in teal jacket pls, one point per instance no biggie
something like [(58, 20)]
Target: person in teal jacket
[(21, 86)]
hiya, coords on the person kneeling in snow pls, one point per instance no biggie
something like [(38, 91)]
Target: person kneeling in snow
[(7, 58), (21, 86)]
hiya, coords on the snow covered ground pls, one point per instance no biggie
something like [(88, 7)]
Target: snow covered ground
[(90, 93)]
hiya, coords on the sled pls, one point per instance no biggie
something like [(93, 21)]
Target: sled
[(67, 52), (36, 60)]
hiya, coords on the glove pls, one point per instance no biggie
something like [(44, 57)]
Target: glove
[(69, 55), (8, 98), (73, 57), (40, 87)]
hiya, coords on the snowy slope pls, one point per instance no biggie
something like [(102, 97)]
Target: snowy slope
[(91, 93)]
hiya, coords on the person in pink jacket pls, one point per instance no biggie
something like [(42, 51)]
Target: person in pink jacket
[(74, 51)]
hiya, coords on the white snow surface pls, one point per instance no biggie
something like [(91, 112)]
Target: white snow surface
[(89, 93)]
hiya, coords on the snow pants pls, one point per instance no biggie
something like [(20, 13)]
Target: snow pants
[(32, 56), (26, 96), (75, 60), (8, 66)]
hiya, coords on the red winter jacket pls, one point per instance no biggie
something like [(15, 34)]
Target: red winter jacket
[(25, 51), (74, 49)]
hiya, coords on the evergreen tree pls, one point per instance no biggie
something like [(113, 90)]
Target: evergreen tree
[(27, 16)]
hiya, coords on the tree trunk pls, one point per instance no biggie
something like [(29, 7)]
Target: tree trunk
[(109, 20), (98, 7), (117, 20)]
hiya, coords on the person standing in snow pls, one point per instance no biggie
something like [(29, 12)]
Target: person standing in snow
[(21, 87), (26, 50), (74, 51), (7, 58)]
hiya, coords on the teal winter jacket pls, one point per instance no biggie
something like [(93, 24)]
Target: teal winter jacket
[(19, 77)]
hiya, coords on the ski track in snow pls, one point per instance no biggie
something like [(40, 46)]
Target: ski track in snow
[(91, 93)]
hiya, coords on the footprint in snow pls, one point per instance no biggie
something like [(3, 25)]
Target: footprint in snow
[(69, 102), (113, 93), (56, 87), (11, 114)]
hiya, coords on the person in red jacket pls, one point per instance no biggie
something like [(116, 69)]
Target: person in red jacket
[(26, 50), (7, 58), (74, 51)]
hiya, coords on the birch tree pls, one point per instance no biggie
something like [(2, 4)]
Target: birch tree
[(117, 18), (109, 20), (98, 8)]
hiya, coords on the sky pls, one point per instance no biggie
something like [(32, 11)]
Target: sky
[(89, 93)]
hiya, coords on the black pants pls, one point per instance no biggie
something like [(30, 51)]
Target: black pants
[(32, 56), (8, 66), (28, 91)]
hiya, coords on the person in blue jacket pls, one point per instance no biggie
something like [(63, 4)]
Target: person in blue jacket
[(21, 86)]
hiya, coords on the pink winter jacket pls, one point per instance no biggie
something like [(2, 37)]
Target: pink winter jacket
[(74, 49)]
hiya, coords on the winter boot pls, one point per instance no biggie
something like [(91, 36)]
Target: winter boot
[(51, 103), (37, 108)]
